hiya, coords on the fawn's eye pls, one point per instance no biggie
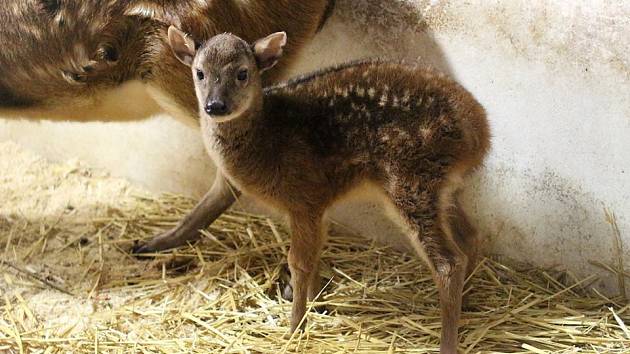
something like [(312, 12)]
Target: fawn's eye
[(200, 75), (241, 75)]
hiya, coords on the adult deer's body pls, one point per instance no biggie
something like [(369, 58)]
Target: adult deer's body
[(73, 53), (64, 51), (411, 133)]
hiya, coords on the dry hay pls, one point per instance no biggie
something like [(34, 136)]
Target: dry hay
[(69, 285)]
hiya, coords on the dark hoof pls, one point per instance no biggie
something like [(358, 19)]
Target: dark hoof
[(140, 249)]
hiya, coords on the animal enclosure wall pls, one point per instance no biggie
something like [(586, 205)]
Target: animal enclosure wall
[(554, 77)]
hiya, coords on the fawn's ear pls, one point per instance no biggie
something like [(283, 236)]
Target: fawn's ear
[(269, 49), (182, 45)]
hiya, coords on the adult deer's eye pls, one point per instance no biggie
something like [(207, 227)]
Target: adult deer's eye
[(200, 75), (241, 75)]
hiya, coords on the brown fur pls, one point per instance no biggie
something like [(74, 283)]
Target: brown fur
[(65, 54), (302, 145), (58, 52)]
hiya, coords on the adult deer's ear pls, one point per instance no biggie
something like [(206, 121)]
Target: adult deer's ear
[(182, 45), (269, 49)]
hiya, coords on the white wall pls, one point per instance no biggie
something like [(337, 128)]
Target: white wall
[(553, 75)]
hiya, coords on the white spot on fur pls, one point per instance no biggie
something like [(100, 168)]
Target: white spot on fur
[(401, 133), (383, 101), (371, 92), (406, 97)]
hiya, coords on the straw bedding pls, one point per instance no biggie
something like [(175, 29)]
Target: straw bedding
[(68, 283)]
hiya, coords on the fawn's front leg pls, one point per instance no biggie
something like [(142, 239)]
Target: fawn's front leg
[(307, 240), (218, 199)]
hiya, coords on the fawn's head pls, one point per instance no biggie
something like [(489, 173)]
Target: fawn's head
[(226, 70)]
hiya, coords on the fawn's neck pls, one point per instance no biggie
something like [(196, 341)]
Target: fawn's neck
[(241, 143)]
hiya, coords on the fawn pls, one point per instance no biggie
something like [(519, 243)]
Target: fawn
[(300, 146)]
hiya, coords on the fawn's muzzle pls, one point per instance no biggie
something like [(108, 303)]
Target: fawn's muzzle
[(216, 108)]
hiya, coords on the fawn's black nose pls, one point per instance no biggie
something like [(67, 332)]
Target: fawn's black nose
[(216, 108)]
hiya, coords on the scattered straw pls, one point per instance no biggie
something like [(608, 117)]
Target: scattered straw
[(222, 295), (35, 276), (621, 279)]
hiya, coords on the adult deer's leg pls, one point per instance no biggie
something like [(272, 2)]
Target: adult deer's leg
[(220, 197)]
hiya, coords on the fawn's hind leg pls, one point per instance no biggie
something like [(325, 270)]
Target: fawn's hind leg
[(307, 240), (464, 233), (422, 208)]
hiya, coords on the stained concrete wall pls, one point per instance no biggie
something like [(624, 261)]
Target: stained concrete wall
[(553, 76)]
